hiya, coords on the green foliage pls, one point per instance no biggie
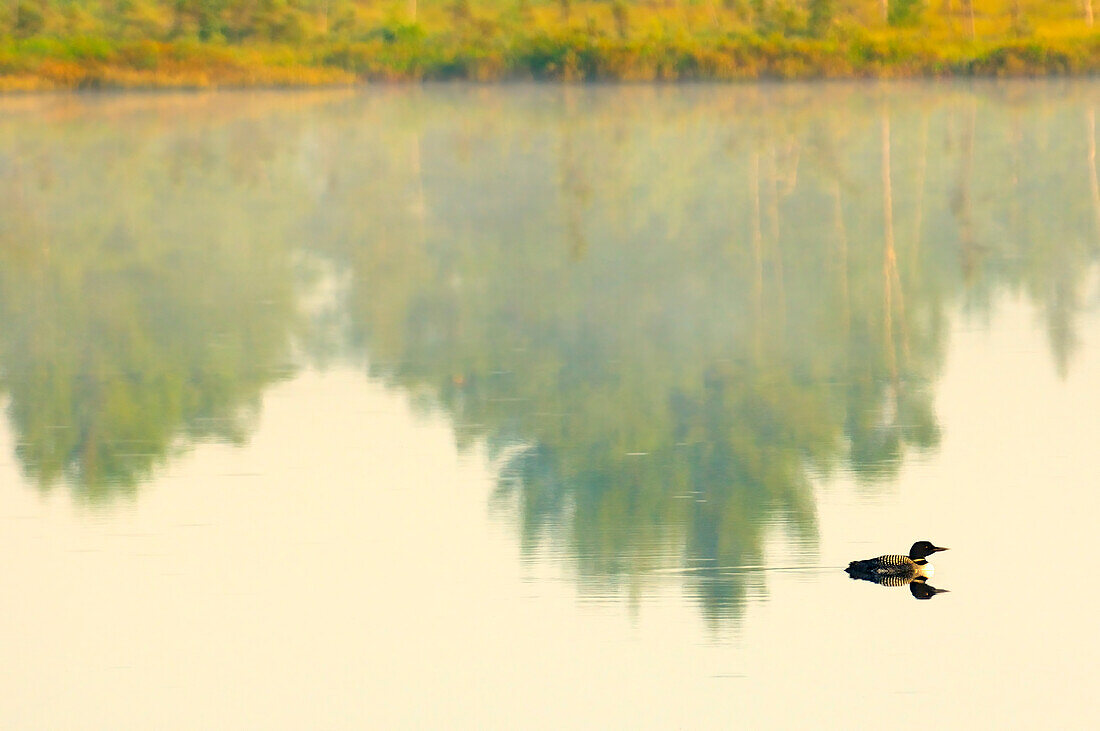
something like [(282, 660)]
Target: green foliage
[(905, 13), (822, 15), (30, 18), (89, 49), (345, 21), (461, 11), (781, 17), (138, 19), (396, 32)]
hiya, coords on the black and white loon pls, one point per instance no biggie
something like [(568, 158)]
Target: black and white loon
[(896, 570)]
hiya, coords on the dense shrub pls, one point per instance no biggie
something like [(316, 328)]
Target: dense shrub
[(903, 13)]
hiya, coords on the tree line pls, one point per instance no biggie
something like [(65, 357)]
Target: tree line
[(302, 21)]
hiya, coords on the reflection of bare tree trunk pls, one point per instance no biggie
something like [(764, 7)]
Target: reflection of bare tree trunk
[(960, 203), (27, 226), (922, 166), (1014, 199), (420, 204), (1094, 184), (757, 256), (574, 191), (777, 252), (889, 258), (793, 155), (773, 197), (842, 254), (1088, 13)]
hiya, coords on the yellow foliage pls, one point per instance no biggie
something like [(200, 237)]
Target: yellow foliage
[(489, 40)]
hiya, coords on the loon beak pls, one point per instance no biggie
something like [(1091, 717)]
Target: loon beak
[(937, 548)]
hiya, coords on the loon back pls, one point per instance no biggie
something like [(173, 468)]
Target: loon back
[(891, 570)]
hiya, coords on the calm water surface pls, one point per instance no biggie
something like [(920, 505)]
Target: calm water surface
[(549, 407)]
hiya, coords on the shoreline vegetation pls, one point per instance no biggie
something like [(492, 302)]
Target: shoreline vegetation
[(150, 44)]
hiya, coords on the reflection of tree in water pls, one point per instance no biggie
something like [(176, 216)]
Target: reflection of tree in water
[(761, 295), (666, 308), (142, 309)]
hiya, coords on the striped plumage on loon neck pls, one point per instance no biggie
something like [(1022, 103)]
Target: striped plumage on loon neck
[(895, 569)]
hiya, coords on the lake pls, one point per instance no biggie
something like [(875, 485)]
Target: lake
[(549, 406)]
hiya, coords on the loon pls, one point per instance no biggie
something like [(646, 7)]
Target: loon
[(896, 570)]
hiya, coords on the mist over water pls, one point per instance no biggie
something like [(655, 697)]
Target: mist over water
[(548, 406)]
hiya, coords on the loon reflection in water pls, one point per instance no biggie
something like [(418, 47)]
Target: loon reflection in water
[(921, 589), (897, 570)]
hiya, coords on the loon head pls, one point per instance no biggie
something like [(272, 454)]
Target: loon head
[(923, 549)]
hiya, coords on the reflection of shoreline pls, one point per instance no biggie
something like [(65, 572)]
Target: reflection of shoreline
[(693, 299), (540, 105), (661, 343), (140, 318)]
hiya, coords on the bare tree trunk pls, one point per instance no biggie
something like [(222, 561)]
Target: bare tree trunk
[(970, 18), (411, 10), (885, 11), (1088, 13)]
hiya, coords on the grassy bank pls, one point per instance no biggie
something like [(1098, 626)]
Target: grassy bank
[(88, 63), (578, 57), (200, 44), (83, 63)]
